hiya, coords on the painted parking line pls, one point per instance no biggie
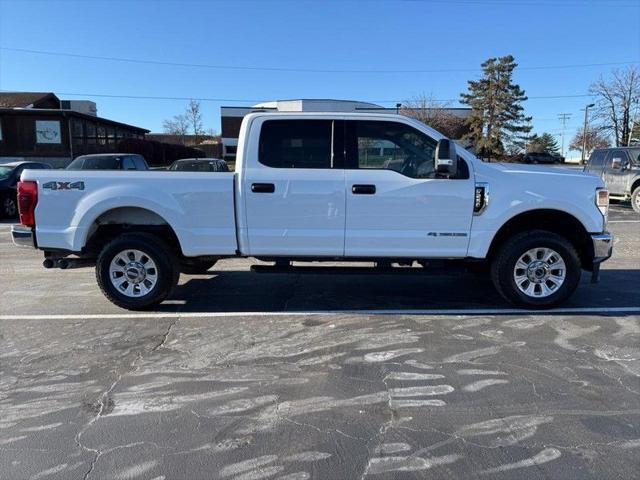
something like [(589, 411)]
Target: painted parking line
[(333, 313), (623, 221)]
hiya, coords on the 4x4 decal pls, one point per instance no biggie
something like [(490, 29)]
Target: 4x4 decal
[(64, 185)]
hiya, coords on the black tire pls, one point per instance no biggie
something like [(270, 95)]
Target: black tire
[(195, 266), (9, 206), (635, 200), (167, 270), (503, 268)]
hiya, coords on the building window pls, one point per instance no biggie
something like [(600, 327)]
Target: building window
[(90, 130), (102, 135), (77, 131), (111, 136), (48, 131)]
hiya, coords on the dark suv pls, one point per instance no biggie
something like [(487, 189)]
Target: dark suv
[(543, 157), (620, 169)]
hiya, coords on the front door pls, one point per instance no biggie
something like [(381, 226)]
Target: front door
[(397, 206), (295, 193), (616, 172)]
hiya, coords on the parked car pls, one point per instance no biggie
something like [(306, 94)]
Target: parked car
[(542, 157), (9, 176), (109, 161), (620, 170), (310, 187), (200, 165)]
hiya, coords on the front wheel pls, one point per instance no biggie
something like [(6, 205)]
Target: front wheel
[(635, 200), (536, 269), (136, 271)]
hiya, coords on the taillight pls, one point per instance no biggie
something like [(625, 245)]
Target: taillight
[(27, 200)]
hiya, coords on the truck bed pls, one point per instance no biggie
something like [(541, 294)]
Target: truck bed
[(198, 206)]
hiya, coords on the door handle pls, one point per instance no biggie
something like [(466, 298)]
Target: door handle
[(363, 189), (263, 187)]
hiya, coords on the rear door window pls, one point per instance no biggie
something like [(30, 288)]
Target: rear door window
[(296, 143)]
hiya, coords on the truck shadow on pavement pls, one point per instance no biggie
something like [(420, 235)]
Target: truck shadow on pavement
[(241, 291)]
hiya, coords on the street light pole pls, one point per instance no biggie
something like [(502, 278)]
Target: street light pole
[(584, 132)]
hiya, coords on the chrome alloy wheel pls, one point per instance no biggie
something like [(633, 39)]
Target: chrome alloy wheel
[(637, 200), (540, 272), (133, 273)]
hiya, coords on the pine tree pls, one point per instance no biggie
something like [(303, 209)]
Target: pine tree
[(543, 143), (497, 121)]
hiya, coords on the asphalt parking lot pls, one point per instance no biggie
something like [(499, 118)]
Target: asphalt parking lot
[(242, 376)]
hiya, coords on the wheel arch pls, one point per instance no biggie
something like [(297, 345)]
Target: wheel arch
[(552, 220), (126, 219)]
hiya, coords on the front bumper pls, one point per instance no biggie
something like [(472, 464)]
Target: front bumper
[(602, 246), (23, 236)]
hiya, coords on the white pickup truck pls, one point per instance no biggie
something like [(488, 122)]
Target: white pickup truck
[(319, 187)]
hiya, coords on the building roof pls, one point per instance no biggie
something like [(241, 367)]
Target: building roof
[(54, 112), (26, 99)]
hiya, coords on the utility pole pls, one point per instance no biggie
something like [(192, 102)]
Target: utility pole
[(563, 118), (585, 132)]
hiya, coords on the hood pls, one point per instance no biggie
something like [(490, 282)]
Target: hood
[(541, 171)]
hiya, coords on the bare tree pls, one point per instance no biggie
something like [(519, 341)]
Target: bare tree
[(616, 98), (189, 122), (596, 138), (178, 125), (194, 118), (434, 113)]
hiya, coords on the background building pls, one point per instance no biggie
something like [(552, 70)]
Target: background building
[(231, 117), (39, 126)]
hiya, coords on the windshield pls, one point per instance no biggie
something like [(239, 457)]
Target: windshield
[(5, 172), (95, 163)]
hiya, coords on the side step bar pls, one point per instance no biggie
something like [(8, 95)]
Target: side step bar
[(386, 270)]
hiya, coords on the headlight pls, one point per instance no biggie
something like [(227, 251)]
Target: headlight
[(602, 201)]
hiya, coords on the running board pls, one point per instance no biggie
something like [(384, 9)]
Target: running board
[(338, 270)]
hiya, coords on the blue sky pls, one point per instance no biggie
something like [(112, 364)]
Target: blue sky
[(329, 35)]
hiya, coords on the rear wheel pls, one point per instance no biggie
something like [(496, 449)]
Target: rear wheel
[(635, 200), (9, 207), (536, 269), (136, 271)]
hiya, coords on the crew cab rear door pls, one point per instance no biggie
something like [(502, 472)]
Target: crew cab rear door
[(397, 206), (616, 172), (294, 189)]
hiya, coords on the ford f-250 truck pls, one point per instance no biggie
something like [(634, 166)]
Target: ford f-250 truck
[(323, 187)]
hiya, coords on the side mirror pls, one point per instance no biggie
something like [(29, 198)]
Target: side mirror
[(446, 158), (618, 164)]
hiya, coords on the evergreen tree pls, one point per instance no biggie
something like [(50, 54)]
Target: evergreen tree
[(497, 121), (543, 143)]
